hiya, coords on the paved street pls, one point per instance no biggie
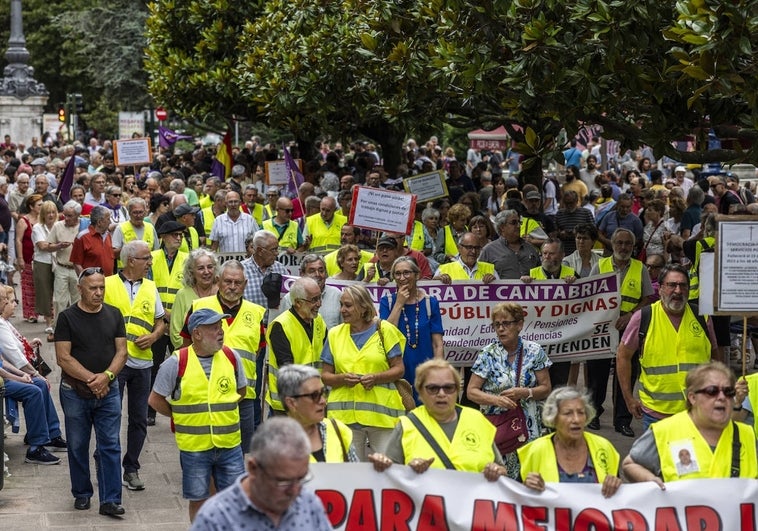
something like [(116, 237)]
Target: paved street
[(39, 497)]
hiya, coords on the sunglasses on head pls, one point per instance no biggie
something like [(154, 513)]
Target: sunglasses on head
[(90, 271), (714, 390)]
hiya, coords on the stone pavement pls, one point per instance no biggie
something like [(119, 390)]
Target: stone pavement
[(39, 497)]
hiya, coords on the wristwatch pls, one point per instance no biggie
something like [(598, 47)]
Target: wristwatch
[(110, 375)]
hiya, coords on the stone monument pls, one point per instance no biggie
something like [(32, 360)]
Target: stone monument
[(22, 98)]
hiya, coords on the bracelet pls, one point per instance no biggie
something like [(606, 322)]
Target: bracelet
[(531, 393)]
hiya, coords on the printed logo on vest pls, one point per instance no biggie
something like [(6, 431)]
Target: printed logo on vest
[(224, 385)]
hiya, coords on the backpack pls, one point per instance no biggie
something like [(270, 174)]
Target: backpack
[(647, 314), (558, 193), (183, 357)]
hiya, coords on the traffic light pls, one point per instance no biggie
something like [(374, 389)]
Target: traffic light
[(78, 103), (61, 114)]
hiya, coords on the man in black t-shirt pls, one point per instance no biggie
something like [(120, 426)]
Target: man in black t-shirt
[(90, 347)]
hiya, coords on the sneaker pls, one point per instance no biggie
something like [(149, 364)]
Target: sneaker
[(41, 456), (57, 444), (151, 421), (132, 481)]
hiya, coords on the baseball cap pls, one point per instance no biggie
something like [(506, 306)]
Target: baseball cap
[(204, 316), (185, 208), (680, 169), (387, 241), (39, 162), (533, 195)]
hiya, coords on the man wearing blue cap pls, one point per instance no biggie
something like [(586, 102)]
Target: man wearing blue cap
[(199, 387)]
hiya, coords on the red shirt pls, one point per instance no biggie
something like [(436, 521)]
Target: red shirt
[(91, 250)]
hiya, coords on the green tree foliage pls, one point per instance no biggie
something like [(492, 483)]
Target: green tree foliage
[(194, 56)]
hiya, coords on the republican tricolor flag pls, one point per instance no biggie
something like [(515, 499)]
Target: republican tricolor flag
[(222, 164)]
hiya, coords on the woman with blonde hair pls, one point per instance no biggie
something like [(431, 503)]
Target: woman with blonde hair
[(362, 359), (42, 266)]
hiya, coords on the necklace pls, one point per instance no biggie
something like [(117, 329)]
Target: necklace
[(412, 343)]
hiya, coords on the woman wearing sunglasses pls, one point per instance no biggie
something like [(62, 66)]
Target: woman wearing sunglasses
[(303, 396), (438, 433), (698, 442)]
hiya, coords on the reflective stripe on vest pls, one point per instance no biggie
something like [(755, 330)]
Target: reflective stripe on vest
[(139, 315), (677, 433), (630, 287), (168, 284), (381, 405), (243, 335), (470, 450), (303, 350), (206, 415), (323, 238), (667, 356)]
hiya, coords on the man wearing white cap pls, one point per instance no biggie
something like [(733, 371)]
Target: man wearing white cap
[(199, 387), (685, 183)]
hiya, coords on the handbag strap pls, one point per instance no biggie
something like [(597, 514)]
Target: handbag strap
[(735, 468), (519, 361), (651, 235), (339, 436), (431, 440), (381, 335)]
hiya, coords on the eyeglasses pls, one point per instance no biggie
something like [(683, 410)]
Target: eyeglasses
[(514, 222), (313, 300), (714, 390), (403, 274), (434, 389), (283, 484), (274, 250), (116, 195), (315, 395), (673, 285), (149, 257), (89, 272), (504, 324), (653, 266), (470, 247), (287, 210)]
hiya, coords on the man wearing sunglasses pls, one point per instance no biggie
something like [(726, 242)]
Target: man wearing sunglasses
[(467, 265), (676, 340), (197, 387), (287, 231)]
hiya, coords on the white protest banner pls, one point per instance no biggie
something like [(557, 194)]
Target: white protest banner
[(382, 210), (427, 186), (277, 173), (132, 152), (130, 123), (572, 322), (358, 498)]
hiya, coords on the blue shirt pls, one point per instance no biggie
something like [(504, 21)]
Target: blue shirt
[(232, 509)]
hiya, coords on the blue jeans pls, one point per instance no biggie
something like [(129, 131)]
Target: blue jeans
[(81, 415), (247, 421), (224, 464), (42, 422), (138, 381)]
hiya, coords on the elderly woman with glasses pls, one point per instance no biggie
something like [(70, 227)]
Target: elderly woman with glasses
[(437, 433), (416, 314), (698, 442), (509, 373), (570, 454), (199, 281), (303, 396)]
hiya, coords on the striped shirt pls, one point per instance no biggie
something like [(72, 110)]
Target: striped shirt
[(230, 234)]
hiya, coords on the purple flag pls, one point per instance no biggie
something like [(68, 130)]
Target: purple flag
[(64, 188), (295, 177), (167, 137)]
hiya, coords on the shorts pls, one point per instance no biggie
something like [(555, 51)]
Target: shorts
[(225, 464)]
